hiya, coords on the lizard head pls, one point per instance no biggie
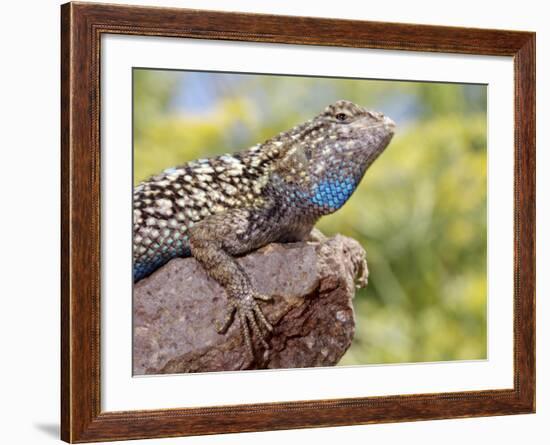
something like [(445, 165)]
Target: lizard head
[(327, 156)]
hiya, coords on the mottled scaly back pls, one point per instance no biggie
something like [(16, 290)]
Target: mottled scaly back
[(166, 206)]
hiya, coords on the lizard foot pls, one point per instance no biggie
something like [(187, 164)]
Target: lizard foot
[(362, 272), (250, 318), (316, 236)]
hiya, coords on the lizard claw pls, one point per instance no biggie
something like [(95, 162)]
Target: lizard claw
[(250, 318), (263, 297)]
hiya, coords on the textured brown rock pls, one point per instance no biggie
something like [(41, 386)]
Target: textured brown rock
[(312, 313)]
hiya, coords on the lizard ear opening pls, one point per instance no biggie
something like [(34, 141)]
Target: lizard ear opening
[(293, 167)]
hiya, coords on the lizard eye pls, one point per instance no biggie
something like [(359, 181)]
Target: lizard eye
[(342, 117)]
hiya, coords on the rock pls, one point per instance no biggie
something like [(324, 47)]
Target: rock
[(312, 284)]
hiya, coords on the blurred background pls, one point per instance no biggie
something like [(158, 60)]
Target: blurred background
[(420, 211)]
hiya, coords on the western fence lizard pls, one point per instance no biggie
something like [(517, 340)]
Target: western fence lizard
[(218, 208)]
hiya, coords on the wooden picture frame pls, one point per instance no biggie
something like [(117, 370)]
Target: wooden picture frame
[(82, 25)]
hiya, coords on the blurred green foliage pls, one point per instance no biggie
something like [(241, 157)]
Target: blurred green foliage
[(420, 211)]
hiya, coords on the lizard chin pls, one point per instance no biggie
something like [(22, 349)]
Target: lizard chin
[(373, 138)]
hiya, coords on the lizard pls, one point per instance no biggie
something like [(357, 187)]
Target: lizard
[(218, 208)]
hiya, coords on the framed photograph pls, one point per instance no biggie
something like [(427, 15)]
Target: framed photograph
[(274, 222)]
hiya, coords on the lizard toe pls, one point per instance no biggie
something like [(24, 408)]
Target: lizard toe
[(222, 326), (262, 318)]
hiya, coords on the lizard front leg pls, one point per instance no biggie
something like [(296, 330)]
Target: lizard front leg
[(214, 242)]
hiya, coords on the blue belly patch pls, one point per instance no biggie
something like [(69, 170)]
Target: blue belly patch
[(149, 264), (142, 269)]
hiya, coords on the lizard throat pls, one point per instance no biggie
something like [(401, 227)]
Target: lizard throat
[(330, 195)]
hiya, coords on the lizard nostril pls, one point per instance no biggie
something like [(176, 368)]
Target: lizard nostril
[(376, 115), (390, 124)]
